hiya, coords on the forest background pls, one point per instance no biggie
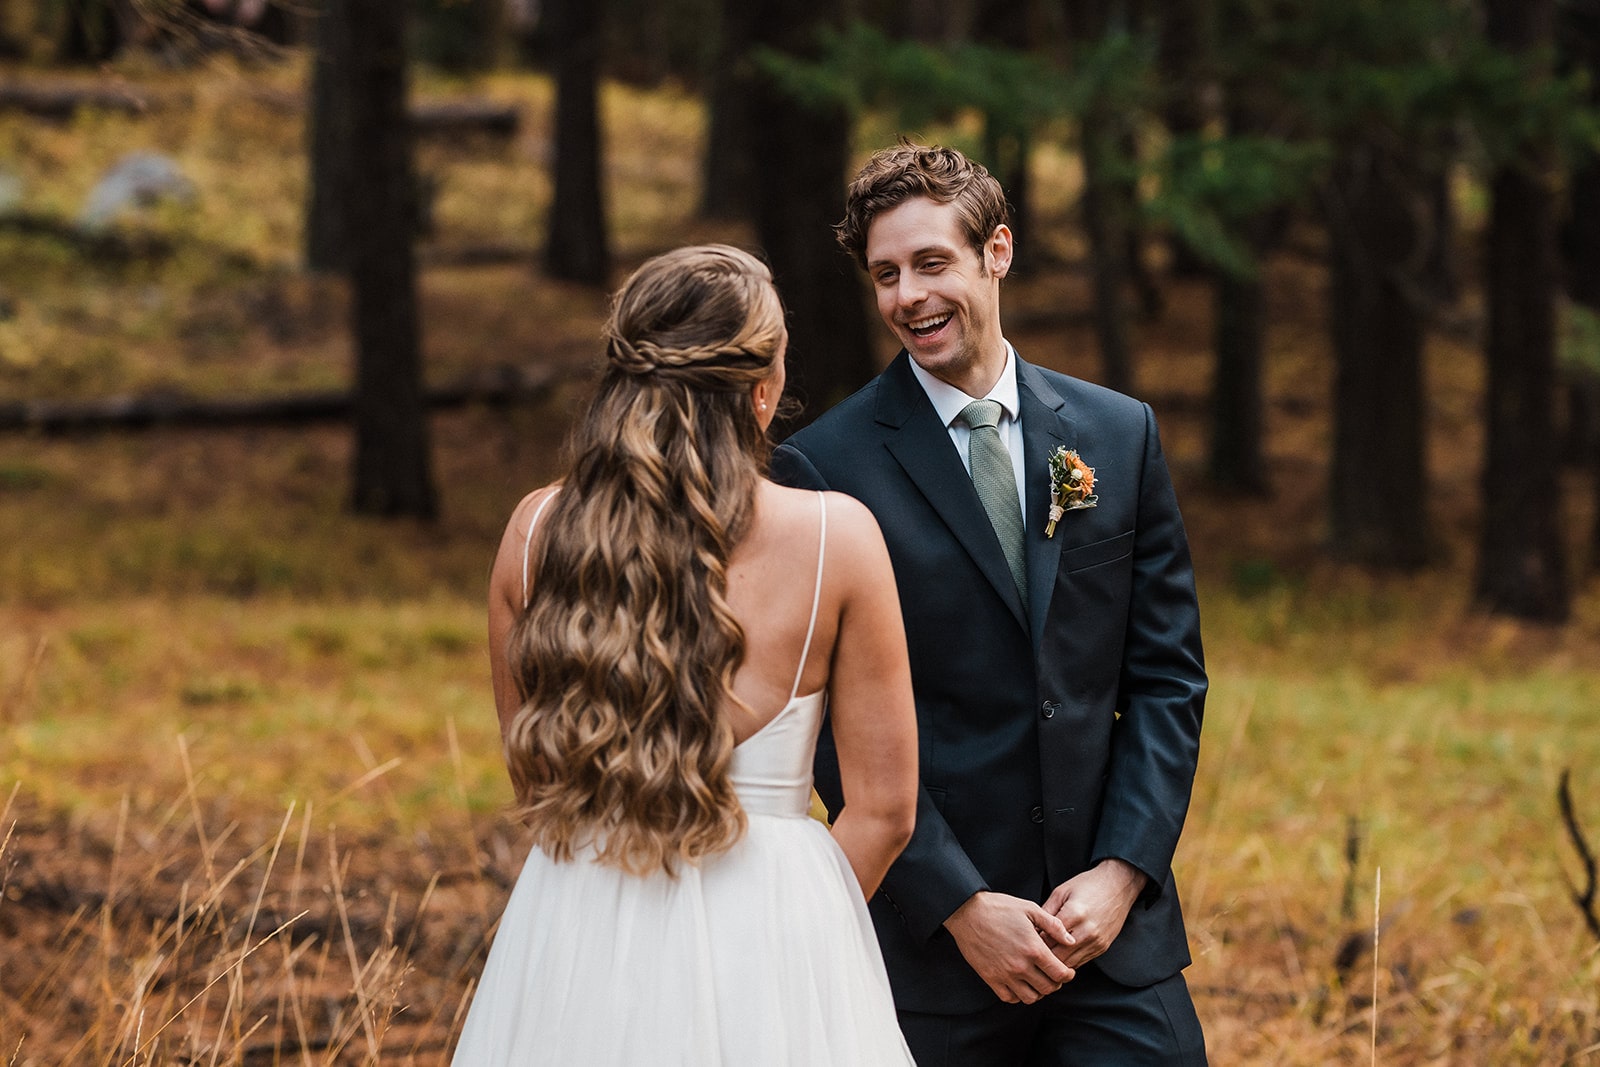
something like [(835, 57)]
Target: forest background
[(267, 398)]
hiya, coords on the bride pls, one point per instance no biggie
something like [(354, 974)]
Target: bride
[(667, 628)]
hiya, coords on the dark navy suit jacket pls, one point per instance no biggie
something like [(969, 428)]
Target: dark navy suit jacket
[(1052, 737)]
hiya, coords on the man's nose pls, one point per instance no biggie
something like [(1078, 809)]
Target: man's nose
[(910, 291)]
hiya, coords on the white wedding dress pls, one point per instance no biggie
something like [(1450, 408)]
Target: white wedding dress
[(761, 956)]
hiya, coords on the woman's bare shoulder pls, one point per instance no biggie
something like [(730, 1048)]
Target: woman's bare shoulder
[(528, 506), (507, 576), (847, 516)]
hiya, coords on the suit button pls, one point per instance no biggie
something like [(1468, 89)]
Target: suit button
[(1037, 814), (1050, 708)]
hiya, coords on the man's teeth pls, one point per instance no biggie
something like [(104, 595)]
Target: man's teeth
[(923, 325)]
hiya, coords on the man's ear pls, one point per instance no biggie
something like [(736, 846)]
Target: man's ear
[(997, 251)]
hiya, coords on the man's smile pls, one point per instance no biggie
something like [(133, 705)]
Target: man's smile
[(928, 325)]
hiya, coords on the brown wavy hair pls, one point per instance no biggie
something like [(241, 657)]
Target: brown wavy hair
[(896, 174), (626, 652)]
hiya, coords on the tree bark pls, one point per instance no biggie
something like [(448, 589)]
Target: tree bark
[(804, 154), (577, 248), (1008, 144), (328, 132), (1578, 35), (1107, 203), (392, 470), (1237, 460), (1104, 219), (1182, 45), (1521, 560), (1238, 403), (729, 171), (1377, 470)]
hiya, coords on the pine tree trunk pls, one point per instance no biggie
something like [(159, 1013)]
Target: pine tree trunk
[(328, 145), (729, 171), (1521, 561), (1237, 460), (392, 467), (1104, 220), (1107, 206), (804, 156), (1238, 404), (1007, 144), (1377, 471), (577, 248), (1579, 35), (1182, 43)]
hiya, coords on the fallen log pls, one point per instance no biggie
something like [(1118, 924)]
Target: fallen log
[(116, 245), (61, 102), (447, 118), (440, 118), (499, 386)]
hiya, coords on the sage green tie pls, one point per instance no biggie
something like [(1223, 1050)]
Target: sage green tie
[(996, 482)]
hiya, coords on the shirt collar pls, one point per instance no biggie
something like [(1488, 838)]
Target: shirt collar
[(948, 400)]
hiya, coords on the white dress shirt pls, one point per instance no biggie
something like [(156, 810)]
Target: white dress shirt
[(948, 401)]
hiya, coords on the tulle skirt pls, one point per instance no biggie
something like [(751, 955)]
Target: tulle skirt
[(763, 955)]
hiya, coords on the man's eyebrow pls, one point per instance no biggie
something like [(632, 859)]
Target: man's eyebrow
[(928, 250)]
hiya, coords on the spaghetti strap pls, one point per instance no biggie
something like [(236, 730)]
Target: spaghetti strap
[(527, 545), (816, 595)]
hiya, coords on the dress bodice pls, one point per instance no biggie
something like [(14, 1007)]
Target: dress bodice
[(771, 769)]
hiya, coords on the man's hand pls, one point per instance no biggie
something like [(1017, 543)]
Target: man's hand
[(1093, 906), (1015, 945)]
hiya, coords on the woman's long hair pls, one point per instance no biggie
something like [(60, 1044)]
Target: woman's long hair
[(626, 653)]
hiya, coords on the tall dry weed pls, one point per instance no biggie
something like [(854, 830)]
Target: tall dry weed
[(163, 938)]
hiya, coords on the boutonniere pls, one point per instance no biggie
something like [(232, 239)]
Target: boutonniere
[(1071, 486)]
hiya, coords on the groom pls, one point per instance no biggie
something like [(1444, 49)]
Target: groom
[(1032, 920)]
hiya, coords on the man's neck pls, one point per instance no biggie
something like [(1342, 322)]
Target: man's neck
[(949, 399), (979, 379)]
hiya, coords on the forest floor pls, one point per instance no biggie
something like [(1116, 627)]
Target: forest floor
[(250, 786)]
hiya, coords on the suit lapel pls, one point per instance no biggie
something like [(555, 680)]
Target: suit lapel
[(1044, 428), (922, 447)]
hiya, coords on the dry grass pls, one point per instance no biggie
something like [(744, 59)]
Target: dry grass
[(249, 773)]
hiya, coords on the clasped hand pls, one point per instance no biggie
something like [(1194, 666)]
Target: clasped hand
[(1024, 951), (1015, 945)]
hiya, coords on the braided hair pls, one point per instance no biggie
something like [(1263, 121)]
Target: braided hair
[(626, 652)]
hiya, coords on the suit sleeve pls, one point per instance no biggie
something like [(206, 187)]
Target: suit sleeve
[(1156, 740), (933, 875)]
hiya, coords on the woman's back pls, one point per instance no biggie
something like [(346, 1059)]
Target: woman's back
[(778, 576)]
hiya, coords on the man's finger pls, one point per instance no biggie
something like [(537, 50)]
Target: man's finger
[(1052, 927), (1055, 971)]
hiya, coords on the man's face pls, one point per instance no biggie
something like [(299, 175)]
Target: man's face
[(937, 295)]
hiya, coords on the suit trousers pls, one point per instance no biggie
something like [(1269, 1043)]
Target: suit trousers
[(1092, 1021)]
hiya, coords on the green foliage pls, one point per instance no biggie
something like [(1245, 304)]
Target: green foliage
[(1211, 188), (1415, 74), (863, 68), (1579, 345)]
